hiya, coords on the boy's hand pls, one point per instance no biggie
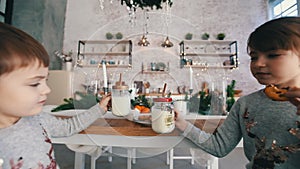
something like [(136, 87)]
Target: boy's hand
[(180, 122), (105, 101), (293, 94)]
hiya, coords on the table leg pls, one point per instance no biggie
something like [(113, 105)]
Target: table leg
[(133, 155), (171, 158), (193, 156), (129, 158), (93, 162), (110, 154), (214, 164), (79, 160), (168, 157), (109, 150)]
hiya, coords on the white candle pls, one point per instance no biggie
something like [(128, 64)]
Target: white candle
[(104, 75), (224, 89), (191, 78), (96, 87)]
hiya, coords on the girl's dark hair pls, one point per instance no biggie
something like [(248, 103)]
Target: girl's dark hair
[(282, 33), (19, 49)]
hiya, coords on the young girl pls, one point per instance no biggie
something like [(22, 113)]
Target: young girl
[(268, 127), (25, 132)]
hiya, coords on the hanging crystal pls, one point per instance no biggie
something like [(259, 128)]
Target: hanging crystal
[(101, 4), (131, 8)]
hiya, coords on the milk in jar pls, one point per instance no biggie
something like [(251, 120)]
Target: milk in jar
[(120, 99), (162, 115)]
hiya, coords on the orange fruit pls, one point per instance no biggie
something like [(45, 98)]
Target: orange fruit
[(145, 110), (138, 107)]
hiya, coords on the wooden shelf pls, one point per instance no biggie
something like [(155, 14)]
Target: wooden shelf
[(99, 50), (105, 41), (107, 66), (192, 51), (106, 54), (209, 41), (153, 72), (210, 67), (210, 54)]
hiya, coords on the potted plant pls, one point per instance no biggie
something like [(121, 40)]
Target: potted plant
[(119, 35), (221, 36), (205, 36), (109, 35), (189, 36)]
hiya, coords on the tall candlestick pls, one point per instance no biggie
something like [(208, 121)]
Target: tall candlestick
[(191, 78), (104, 74)]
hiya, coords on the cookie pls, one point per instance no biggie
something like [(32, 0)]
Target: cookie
[(275, 93)]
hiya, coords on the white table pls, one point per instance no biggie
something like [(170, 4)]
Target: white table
[(165, 142), (168, 143)]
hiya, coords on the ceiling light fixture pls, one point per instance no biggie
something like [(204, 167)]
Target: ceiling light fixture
[(167, 43), (144, 41)]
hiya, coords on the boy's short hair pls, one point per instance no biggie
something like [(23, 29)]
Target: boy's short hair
[(282, 33), (19, 49)]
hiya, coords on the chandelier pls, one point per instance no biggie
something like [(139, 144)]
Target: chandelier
[(146, 3), (132, 5)]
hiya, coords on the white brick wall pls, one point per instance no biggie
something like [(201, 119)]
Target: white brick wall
[(236, 18)]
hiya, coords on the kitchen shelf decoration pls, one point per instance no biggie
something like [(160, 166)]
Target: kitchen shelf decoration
[(221, 36), (189, 36), (109, 35), (92, 53), (208, 54), (119, 35), (155, 67), (205, 36)]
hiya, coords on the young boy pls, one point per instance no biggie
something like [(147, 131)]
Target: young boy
[(268, 127), (25, 132)]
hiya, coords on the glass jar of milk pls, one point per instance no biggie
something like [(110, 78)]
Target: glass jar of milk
[(162, 115), (120, 100)]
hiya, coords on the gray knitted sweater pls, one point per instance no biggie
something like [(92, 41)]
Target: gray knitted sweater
[(29, 139), (273, 120)]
